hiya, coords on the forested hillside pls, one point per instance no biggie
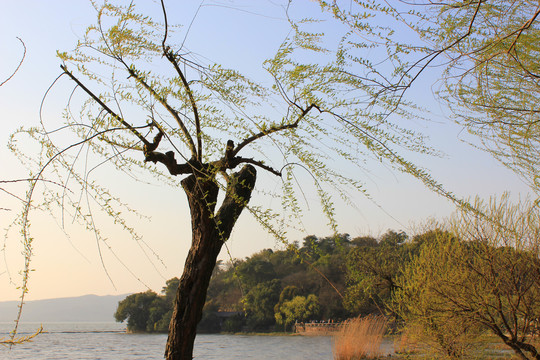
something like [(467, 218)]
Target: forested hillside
[(324, 278)]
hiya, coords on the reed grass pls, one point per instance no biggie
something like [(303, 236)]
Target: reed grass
[(360, 338), (408, 342)]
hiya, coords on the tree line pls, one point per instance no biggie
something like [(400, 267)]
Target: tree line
[(324, 278), (270, 290)]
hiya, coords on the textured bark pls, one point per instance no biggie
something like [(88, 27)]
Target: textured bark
[(209, 231), (519, 347)]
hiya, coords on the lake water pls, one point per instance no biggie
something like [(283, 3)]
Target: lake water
[(103, 341)]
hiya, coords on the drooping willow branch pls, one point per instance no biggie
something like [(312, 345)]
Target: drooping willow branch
[(19, 65), (105, 107)]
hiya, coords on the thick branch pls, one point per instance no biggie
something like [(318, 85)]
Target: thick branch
[(169, 108), (170, 162), (238, 193), (274, 129), (228, 162), (172, 59), (105, 107), (241, 160)]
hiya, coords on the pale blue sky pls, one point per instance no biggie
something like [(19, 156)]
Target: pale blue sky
[(237, 34)]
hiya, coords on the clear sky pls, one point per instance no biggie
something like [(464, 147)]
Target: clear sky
[(239, 34)]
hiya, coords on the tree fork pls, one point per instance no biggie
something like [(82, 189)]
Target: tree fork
[(209, 232)]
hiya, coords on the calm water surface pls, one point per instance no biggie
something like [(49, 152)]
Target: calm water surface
[(103, 341)]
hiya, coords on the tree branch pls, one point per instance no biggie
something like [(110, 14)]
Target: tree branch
[(230, 163), (165, 104), (172, 59), (524, 27), (241, 160), (432, 56), (239, 188), (170, 162), (18, 66), (105, 107), (274, 129)]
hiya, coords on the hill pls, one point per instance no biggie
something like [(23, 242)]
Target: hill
[(87, 308)]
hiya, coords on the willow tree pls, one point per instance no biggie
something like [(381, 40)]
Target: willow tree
[(152, 107), (484, 53), (481, 275)]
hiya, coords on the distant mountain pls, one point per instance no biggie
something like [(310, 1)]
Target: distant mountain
[(83, 308)]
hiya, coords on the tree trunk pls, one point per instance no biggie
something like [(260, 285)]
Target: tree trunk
[(209, 231), (518, 346)]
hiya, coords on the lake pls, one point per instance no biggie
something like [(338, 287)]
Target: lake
[(104, 341)]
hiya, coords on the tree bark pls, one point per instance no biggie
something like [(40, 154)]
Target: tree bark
[(518, 346), (209, 231)]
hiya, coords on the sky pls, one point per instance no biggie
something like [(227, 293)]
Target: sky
[(67, 260)]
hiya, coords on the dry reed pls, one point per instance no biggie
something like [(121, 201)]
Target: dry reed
[(408, 342), (360, 338)]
